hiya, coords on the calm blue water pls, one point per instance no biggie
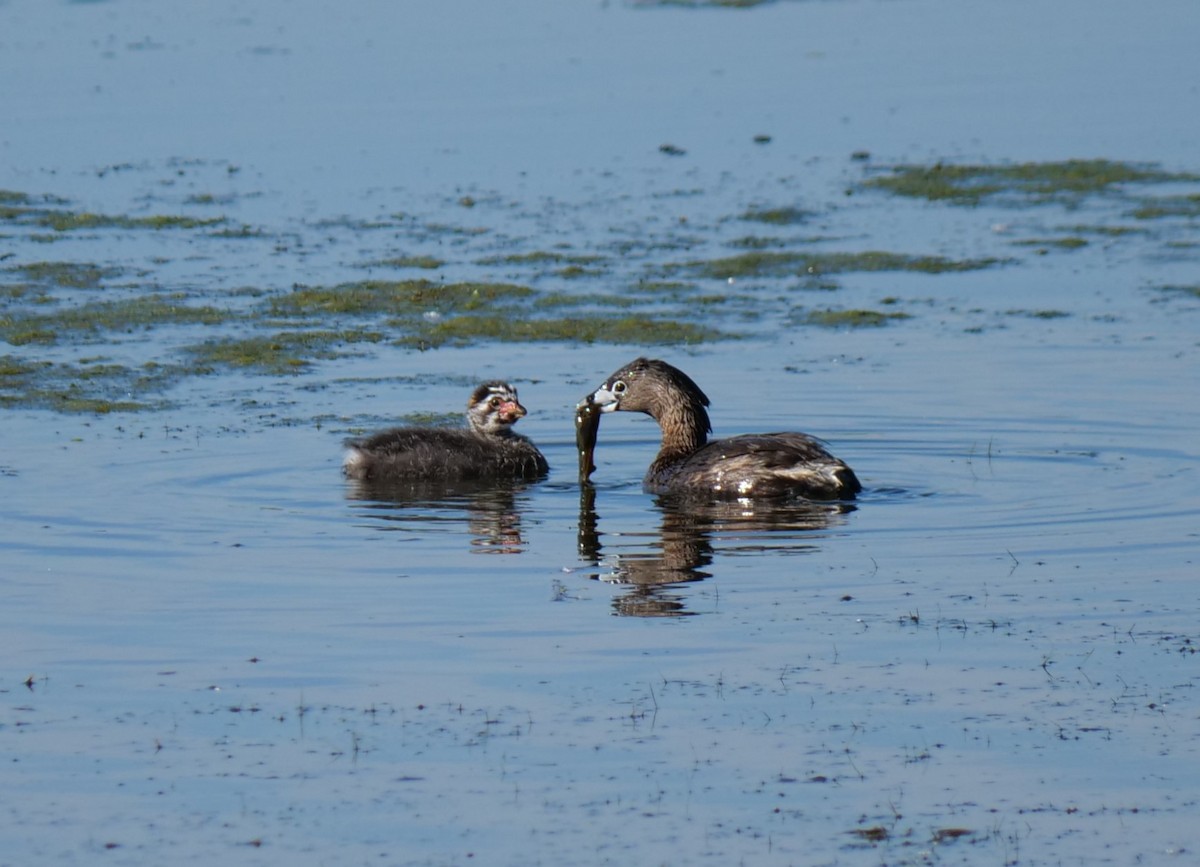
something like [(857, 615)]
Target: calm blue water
[(232, 655)]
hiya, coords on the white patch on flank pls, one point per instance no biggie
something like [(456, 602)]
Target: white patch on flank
[(353, 460)]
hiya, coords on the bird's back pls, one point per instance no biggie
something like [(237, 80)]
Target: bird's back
[(757, 465), (442, 453)]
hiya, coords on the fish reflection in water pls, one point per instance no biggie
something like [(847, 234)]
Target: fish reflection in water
[(489, 508), (689, 535)]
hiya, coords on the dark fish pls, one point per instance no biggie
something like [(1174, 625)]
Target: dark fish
[(587, 423)]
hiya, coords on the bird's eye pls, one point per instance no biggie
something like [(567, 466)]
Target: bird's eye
[(495, 402), (618, 387)]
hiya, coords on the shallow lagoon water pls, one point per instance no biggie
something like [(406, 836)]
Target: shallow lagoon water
[(217, 648)]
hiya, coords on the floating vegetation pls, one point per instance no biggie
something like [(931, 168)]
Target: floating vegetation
[(12, 197), (1192, 291), (12, 369), (778, 264), (574, 265), (778, 216), (757, 242), (574, 272), (673, 289), (945, 835), (93, 387), (210, 199), (873, 834), (816, 283), (969, 184), (541, 257), (1168, 206), (68, 275), (637, 329), (123, 316), (1071, 242), (49, 307), (282, 352), (22, 209), (17, 207), (695, 4), (850, 318), (394, 298), (1106, 231), (559, 300), (242, 231), (69, 221), (1039, 314), (354, 224), (429, 263)]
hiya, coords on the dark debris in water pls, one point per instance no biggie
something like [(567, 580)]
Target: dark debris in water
[(876, 834)]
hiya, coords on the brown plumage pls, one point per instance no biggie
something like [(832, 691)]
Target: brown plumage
[(487, 448), (751, 465)]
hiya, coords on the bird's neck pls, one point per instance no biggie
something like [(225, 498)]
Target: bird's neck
[(684, 430)]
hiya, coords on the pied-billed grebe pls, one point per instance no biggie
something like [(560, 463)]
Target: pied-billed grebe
[(487, 448), (751, 465)]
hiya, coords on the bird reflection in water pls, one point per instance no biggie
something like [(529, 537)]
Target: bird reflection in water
[(490, 508), (653, 565)]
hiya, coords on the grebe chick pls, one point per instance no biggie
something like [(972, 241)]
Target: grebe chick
[(751, 465), (487, 448)]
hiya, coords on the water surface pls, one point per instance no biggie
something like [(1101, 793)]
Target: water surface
[(217, 648)]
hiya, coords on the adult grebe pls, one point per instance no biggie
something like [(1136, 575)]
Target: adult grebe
[(751, 465)]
